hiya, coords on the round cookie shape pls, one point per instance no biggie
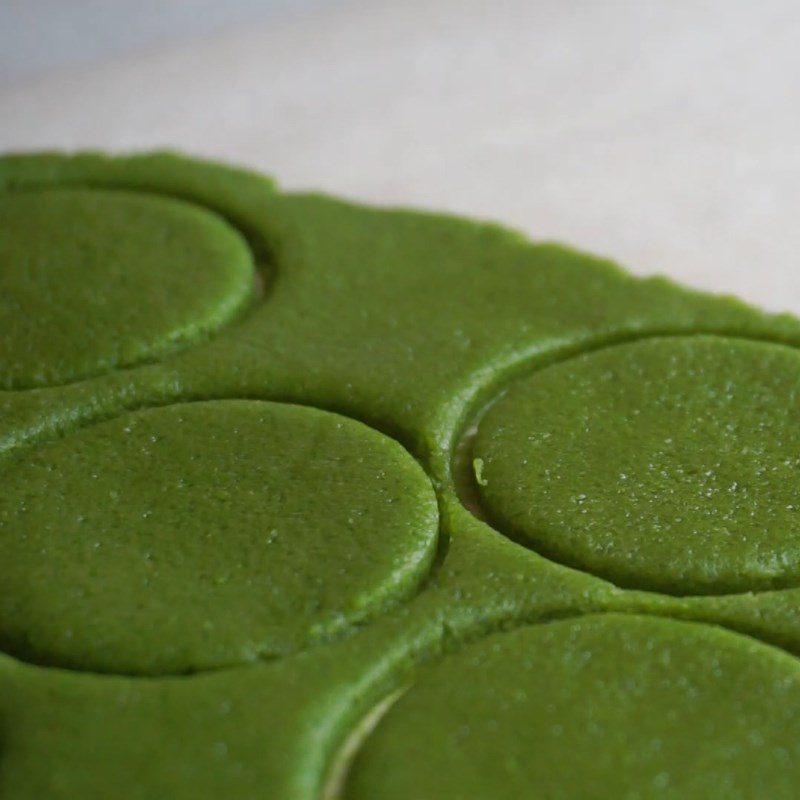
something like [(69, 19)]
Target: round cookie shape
[(669, 464), (206, 534), (91, 280), (603, 706)]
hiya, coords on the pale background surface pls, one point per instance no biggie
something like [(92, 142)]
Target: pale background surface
[(665, 134)]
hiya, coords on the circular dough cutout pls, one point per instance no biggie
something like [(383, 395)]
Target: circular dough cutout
[(208, 534), (604, 706), (670, 464), (91, 280)]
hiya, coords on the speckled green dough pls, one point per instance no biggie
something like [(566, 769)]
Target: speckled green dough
[(596, 708), (91, 280), (313, 539), (206, 534), (669, 464)]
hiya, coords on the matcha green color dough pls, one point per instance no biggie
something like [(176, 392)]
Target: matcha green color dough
[(601, 707), (670, 464), (284, 555), (91, 280), (206, 534)]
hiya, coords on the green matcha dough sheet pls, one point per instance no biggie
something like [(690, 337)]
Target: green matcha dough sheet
[(305, 500)]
